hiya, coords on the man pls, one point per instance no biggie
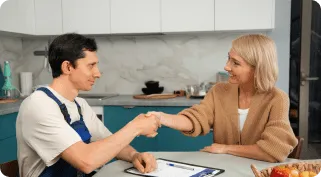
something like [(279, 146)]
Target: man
[(58, 134)]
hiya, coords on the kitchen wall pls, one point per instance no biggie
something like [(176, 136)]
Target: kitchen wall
[(175, 60)]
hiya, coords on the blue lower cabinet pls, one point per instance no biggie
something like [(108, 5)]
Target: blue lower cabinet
[(8, 141), (173, 140), (116, 117), (8, 149), (8, 125), (170, 109)]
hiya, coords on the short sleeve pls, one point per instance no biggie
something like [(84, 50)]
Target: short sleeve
[(45, 130)]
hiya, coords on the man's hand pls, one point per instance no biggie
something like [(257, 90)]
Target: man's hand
[(144, 162), (216, 148)]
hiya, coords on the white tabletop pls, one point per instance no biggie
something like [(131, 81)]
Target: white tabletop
[(233, 166)]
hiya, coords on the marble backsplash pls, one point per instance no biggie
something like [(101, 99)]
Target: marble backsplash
[(127, 61)]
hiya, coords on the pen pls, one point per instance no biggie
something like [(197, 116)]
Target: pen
[(180, 166)]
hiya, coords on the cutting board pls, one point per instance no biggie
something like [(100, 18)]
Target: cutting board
[(155, 96), (8, 101)]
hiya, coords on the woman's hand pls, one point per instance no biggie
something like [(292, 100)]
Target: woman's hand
[(216, 148)]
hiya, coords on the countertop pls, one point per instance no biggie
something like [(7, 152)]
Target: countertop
[(121, 100)]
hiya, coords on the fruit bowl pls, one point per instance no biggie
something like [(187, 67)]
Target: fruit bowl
[(303, 169)]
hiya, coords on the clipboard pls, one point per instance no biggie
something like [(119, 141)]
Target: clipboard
[(198, 170)]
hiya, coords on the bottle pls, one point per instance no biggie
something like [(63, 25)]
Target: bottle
[(8, 90), (1, 80)]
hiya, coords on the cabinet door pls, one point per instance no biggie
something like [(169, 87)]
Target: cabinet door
[(48, 16), (139, 16), (86, 17), (8, 149), (17, 16), (8, 10), (173, 140), (8, 125), (244, 15), (26, 9), (8, 142), (187, 15), (116, 117)]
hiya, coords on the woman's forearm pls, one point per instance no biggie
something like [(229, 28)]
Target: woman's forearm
[(249, 151), (178, 122)]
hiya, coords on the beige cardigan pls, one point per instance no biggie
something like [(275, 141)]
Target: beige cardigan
[(267, 123)]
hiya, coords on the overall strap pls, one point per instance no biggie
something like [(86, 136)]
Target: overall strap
[(79, 110), (62, 106)]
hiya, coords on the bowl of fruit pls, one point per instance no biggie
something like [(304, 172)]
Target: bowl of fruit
[(300, 169)]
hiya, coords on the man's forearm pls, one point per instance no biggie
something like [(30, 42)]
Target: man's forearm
[(127, 154), (102, 151), (249, 151)]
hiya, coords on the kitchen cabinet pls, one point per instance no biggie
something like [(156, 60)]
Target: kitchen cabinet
[(187, 15), (26, 10), (17, 16), (244, 15), (8, 142), (48, 15), (86, 17), (167, 139), (139, 16), (8, 10)]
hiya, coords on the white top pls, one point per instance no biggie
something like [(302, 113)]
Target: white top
[(242, 116), (43, 134)]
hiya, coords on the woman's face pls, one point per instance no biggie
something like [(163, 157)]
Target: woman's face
[(240, 72)]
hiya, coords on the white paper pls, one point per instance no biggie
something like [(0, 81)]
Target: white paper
[(164, 170)]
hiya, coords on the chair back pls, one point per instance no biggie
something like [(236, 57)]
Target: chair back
[(296, 153), (10, 169)]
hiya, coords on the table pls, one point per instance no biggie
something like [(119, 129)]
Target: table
[(234, 166)]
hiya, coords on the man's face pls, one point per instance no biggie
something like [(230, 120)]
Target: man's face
[(85, 73)]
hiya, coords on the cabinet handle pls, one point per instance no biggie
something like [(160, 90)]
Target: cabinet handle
[(129, 107)]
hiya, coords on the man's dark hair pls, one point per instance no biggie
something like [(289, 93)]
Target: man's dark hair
[(68, 47)]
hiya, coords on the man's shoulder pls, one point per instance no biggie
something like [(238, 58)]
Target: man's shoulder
[(37, 100)]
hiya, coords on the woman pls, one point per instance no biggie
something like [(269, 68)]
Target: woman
[(249, 115)]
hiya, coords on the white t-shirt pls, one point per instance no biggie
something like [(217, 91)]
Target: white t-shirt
[(242, 116), (43, 134)]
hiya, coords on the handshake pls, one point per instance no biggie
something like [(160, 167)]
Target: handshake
[(147, 124)]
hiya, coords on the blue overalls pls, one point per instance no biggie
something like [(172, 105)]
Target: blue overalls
[(63, 168)]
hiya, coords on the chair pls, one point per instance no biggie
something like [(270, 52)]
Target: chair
[(295, 154), (10, 169)]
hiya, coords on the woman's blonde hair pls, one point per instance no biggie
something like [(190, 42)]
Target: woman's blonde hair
[(260, 52)]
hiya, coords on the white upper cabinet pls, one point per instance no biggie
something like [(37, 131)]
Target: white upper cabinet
[(17, 16), (187, 15), (26, 10), (48, 17), (244, 14), (8, 10), (86, 16), (135, 16)]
